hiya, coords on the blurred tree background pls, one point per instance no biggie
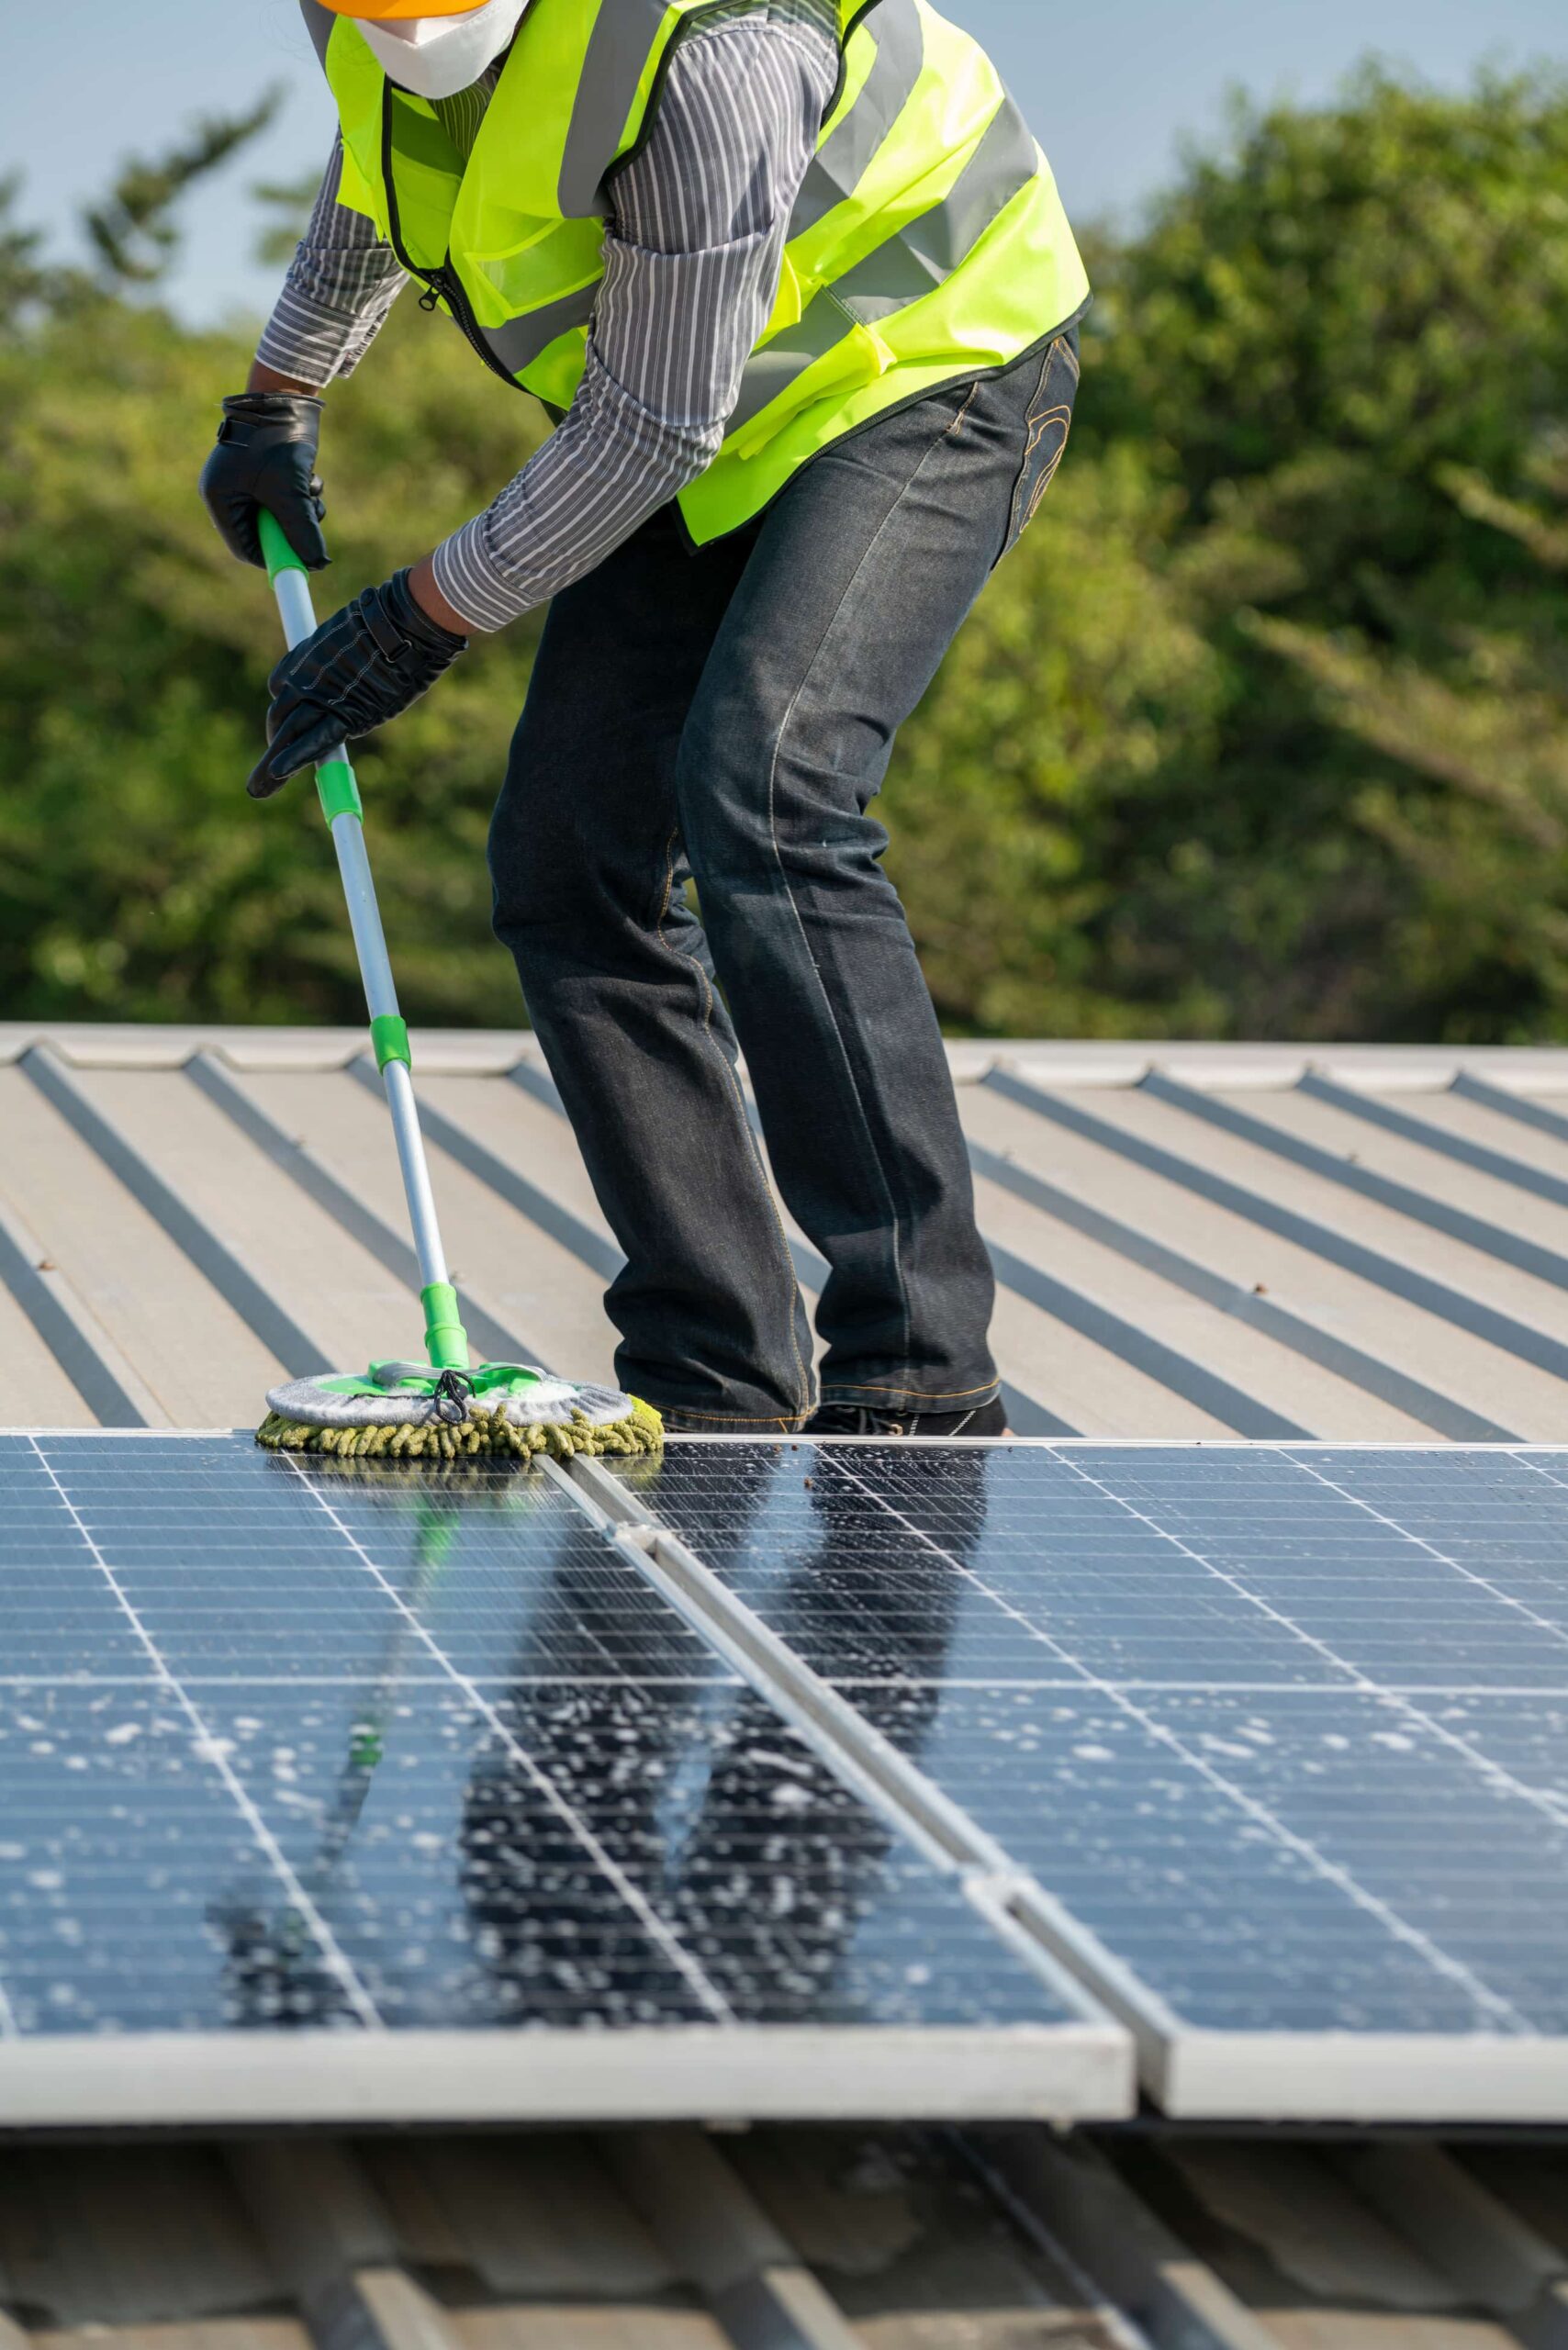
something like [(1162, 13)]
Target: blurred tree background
[(1262, 732)]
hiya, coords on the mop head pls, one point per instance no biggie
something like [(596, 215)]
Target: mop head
[(407, 1411)]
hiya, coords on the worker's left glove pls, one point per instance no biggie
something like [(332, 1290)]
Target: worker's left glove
[(363, 667), (264, 462)]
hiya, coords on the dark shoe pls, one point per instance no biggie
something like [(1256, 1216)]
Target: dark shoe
[(861, 1419)]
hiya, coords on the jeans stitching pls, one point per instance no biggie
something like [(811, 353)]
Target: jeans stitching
[(957, 424), (907, 1394), (785, 1423), (1052, 416), (778, 743), (803, 1387), (1037, 424)]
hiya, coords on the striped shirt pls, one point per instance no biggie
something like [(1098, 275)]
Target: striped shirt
[(693, 249)]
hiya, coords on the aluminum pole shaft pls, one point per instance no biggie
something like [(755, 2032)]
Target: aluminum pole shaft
[(294, 609)]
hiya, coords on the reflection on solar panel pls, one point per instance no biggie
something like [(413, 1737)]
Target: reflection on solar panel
[(333, 1792), (1279, 1732)]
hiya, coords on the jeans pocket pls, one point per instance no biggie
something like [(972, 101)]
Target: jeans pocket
[(1045, 429)]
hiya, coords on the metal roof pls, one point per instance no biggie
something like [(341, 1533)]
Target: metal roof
[(1205, 1241), (1350, 1243), (815, 2239)]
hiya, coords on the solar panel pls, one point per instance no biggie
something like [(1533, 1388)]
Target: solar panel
[(1280, 1733), (338, 1792)]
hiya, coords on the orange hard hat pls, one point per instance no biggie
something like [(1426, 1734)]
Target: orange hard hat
[(390, 11)]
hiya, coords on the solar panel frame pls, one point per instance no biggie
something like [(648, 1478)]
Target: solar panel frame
[(1194, 2071), (1044, 2047)]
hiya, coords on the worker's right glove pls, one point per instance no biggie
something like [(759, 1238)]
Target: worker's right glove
[(265, 456), (362, 668)]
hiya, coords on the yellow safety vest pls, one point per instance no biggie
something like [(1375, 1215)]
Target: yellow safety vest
[(928, 243)]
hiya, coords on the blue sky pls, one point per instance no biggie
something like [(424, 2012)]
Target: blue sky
[(1110, 86)]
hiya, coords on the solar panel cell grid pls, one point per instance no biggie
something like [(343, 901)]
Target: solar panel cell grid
[(1231, 1924), (478, 1883), (308, 1745), (240, 1563), (58, 1612), (116, 1836), (1282, 1729)]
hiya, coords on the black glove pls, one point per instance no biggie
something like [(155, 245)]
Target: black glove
[(266, 456), (361, 667)]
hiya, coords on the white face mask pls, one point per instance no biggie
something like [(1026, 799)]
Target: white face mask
[(437, 56)]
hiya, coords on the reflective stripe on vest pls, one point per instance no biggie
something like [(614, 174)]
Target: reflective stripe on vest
[(927, 242)]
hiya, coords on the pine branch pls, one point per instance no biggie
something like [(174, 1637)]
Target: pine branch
[(1475, 496), (1510, 757), (131, 230), (21, 279)]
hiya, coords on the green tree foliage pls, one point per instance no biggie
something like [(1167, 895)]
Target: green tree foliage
[(1262, 730), (1079, 701), (1344, 343), (136, 881), (22, 278)]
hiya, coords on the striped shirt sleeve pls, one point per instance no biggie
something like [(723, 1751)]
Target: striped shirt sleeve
[(693, 251), (341, 285)]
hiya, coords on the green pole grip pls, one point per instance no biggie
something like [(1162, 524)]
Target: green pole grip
[(338, 791), (390, 1038), (335, 784), (446, 1342), (275, 550)]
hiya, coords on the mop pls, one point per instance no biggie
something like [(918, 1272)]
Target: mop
[(444, 1406)]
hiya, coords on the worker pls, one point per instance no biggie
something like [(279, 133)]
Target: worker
[(795, 281)]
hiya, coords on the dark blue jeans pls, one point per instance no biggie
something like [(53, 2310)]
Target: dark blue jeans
[(726, 718)]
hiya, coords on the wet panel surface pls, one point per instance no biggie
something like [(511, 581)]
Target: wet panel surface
[(58, 1612), (119, 1847), (364, 1747), (1278, 1726), (486, 1865), (240, 1564)]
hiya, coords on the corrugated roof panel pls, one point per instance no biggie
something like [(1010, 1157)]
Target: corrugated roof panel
[(633, 2241), (196, 1353), (819, 2239), (1422, 1230), (1061, 1372), (1400, 1356), (525, 1277), (37, 1386), (256, 1211), (570, 2326), (1521, 1322), (1446, 1181), (522, 1131), (525, 2216), (1391, 1117), (1212, 1351), (88, 2238), (1367, 1162), (1091, 1390), (1183, 1234), (1539, 1109)]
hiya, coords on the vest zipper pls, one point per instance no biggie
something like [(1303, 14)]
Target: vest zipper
[(436, 281)]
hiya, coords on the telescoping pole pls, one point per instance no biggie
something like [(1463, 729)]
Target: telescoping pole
[(445, 1339)]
